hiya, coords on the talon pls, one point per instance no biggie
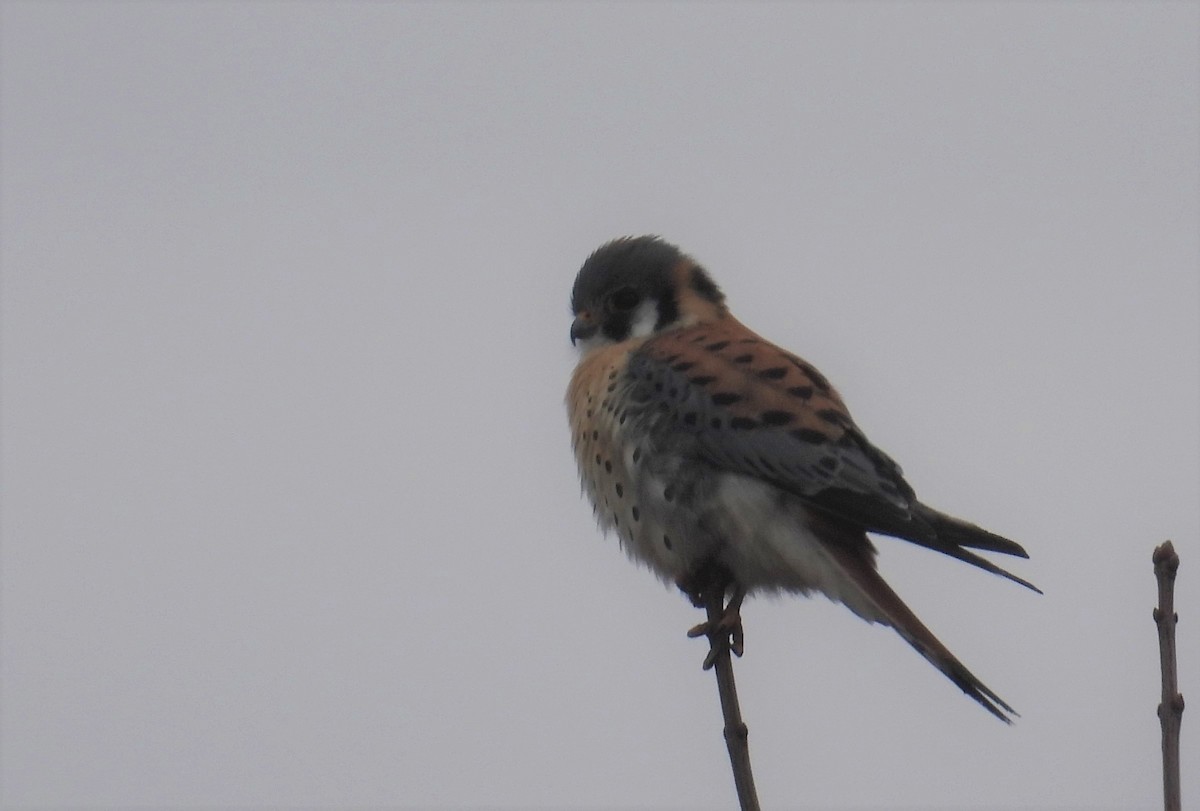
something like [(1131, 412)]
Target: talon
[(731, 620), (725, 634), (738, 645)]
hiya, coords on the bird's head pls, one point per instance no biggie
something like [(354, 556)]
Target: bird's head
[(637, 286)]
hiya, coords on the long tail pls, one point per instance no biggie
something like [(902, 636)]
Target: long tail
[(891, 610), (954, 537)]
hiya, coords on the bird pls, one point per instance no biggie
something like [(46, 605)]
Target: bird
[(730, 466)]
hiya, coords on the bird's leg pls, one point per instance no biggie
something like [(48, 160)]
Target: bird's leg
[(706, 589), (723, 626)]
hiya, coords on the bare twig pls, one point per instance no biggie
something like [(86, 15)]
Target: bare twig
[(1170, 710), (736, 732)]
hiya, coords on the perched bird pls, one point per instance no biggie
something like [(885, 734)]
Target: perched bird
[(724, 463)]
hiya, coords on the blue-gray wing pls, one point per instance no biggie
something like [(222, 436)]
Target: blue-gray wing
[(746, 406)]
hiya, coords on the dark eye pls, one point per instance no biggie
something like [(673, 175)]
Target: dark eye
[(625, 299)]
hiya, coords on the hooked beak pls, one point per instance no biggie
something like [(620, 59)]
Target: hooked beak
[(582, 328)]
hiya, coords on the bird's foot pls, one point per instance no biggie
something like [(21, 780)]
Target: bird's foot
[(723, 628), (706, 588)]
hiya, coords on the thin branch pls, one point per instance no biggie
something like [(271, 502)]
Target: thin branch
[(1170, 710), (736, 731)]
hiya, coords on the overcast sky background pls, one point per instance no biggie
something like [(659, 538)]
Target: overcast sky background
[(289, 513)]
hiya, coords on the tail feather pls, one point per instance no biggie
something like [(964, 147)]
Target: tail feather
[(955, 531), (892, 611), (983, 563), (954, 537)]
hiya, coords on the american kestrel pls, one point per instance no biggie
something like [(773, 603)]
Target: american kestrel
[(723, 462)]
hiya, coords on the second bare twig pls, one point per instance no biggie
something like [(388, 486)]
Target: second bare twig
[(1170, 710)]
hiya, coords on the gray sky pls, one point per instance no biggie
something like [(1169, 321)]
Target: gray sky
[(289, 509)]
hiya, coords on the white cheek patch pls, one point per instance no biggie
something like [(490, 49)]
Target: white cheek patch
[(641, 324), (586, 345), (645, 317)]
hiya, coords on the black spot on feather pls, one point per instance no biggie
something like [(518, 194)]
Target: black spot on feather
[(776, 418), (830, 415), (818, 380)]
